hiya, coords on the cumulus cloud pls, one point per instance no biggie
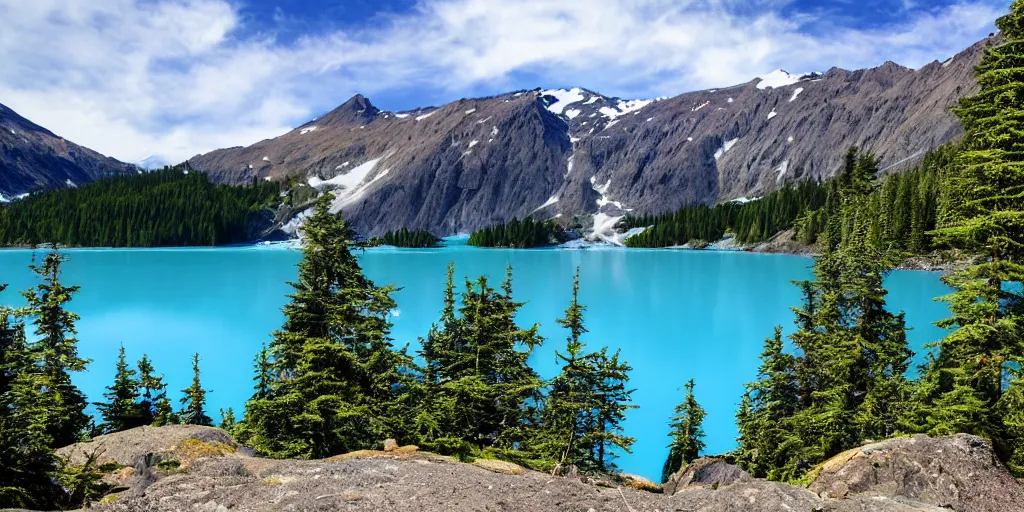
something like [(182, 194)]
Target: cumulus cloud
[(173, 78)]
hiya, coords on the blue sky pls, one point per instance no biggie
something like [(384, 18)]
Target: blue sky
[(173, 78)]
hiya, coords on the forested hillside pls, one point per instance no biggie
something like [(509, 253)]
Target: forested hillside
[(903, 210), (170, 207)]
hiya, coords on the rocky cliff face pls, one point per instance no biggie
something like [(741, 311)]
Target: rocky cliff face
[(33, 158), (578, 154), (183, 467)]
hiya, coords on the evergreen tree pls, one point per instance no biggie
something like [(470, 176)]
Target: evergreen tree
[(56, 352), (193, 410), (767, 440), (227, 419), (613, 400), (687, 434), (338, 386), (121, 411), (154, 406), (27, 464), (983, 213), (264, 374)]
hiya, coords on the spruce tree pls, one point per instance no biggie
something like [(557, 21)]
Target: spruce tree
[(687, 434), (27, 465), (983, 213), (122, 410), (154, 406), (338, 385), (614, 398), (193, 402), (56, 351)]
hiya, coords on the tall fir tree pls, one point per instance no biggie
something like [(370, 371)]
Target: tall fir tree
[(56, 351), (193, 411), (122, 409), (338, 385), (154, 406), (983, 213), (28, 469), (687, 434)]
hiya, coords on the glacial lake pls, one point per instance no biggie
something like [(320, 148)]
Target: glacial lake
[(675, 315)]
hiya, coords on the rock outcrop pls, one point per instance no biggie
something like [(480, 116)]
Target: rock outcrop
[(579, 156), (917, 474), (34, 158), (959, 473)]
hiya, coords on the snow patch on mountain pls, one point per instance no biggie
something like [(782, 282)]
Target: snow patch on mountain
[(624, 107), (781, 170), (424, 116), (563, 98), (779, 78), (345, 181), (726, 146), (307, 130), (796, 93), (551, 200), (772, 114)]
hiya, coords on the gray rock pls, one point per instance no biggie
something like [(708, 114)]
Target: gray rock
[(34, 158), (476, 162), (958, 472), (705, 472)]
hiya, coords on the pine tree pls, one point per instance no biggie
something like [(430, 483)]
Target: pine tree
[(121, 411), (154, 406), (264, 377), (227, 419), (338, 385), (614, 398), (56, 351), (983, 213), (27, 473), (193, 410), (687, 434)]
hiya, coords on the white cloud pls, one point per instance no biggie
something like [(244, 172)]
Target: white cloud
[(173, 78)]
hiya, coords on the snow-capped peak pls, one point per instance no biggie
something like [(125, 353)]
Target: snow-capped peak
[(563, 98)]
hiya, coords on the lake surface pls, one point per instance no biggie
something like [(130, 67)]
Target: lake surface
[(675, 315)]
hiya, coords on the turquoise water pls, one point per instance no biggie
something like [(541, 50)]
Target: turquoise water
[(676, 315)]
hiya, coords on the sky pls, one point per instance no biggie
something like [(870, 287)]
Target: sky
[(169, 79)]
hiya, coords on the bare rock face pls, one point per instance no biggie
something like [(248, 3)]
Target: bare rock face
[(577, 155), (958, 472), (33, 158), (705, 472)]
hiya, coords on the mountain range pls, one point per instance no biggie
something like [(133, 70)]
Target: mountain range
[(570, 154)]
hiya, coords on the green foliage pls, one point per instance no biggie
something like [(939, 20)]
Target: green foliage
[(904, 208), (479, 390), (583, 410), (336, 383), (159, 208), (154, 406), (122, 410), (55, 351), (519, 234), (751, 222), (193, 402), (973, 383), (406, 238), (687, 434), (847, 384)]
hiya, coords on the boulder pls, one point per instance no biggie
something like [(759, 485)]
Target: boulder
[(959, 472), (181, 442), (705, 472), (390, 445)]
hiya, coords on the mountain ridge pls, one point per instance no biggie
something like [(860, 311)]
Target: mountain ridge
[(33, 158), (585, 158)]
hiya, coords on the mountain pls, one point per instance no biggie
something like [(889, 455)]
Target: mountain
[(579, 155), (34, 158)]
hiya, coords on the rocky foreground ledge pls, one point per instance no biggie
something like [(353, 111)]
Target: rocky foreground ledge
[(182, 468)]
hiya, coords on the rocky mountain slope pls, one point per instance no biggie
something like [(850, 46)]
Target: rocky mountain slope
[(576, 154), (201, 468), (34, 158)]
